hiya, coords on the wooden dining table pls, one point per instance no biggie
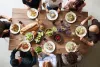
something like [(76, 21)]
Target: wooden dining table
[(19, 14)]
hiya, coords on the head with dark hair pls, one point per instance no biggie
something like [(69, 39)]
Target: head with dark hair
[(15, 62), (78, 3), (72, 58)]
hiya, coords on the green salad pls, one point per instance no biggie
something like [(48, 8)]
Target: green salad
[(38, 49), (29, 36), (39, 36)]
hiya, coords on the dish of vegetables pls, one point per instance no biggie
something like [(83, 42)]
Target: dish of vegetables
[(81, 31), (38, 49), (70, 17), (29, 36), (39, 37), (70, 46), (49, 32)]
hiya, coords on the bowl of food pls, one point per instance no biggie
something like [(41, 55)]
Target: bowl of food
[(70, 17), (49, 46), (52, 15), (49, 32), (39, 36), (15, 28), (25, 46), (71, 46), (57, 37), (81, 31), (32, 13), (29, 36), (38, 49)]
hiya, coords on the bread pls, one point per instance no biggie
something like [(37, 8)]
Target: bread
[(30, 27)]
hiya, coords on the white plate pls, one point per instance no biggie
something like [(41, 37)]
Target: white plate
[(73, 44), (48, 16), (13, 32), (29, 12), (49, 51), (25, 50), (28, 40), (82, 34), (75, 17)]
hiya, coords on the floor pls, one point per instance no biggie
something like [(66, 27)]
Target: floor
[(92, 59)]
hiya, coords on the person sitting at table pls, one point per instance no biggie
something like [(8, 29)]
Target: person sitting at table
[(76, 5), (26, 59), (32, 4), (53, 4), (47, 59), (4, 26), (71, 58), (93, 31)]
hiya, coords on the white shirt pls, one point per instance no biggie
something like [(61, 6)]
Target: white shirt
[(52, 4), (51, 58)]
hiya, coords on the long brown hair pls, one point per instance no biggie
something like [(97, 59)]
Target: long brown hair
[(47, 64)]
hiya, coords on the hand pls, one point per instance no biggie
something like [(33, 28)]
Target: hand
[(10, 19), (19, 46), (47, 10), (31, 50), (39, 9), (5, 31), (81, 38), (90, 17), (58, 10)]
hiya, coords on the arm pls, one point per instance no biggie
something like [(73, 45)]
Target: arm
[(54, 61), (26, 6), (66, 7), (89, 43), (85, 20), (39, 8), (59, 8), (81, 7), (44, 5), (6, 17), (4, 32), (13, 55)]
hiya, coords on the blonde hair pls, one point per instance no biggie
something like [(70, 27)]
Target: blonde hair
[(47, 64)]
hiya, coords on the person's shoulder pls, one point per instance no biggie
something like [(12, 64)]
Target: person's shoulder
[(52, 55)]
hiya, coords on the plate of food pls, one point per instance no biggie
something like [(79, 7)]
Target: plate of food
[(49, 46), (57, 37), (81, 31), (71, 46), (15, 28), (39, 36), (25, 46), (49, 32), (38, 49), (29, 36), (32, 13), (52, 15), (70, 17)]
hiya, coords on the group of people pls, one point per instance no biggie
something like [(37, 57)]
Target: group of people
[(29, 59), (55, 5)]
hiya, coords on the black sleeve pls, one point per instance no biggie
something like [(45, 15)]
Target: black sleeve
[(24, 2), (13, 55), (94, 39)]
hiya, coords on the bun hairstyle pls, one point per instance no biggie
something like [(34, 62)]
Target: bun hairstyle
[(47, 64), (79, 3)]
